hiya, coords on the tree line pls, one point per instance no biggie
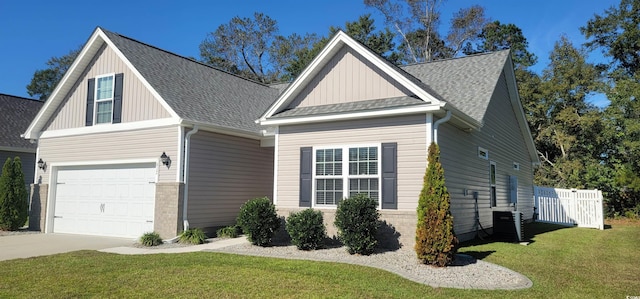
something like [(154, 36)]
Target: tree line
[(580, 145)]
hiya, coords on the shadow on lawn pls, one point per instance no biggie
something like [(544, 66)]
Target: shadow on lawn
[(531, 230)]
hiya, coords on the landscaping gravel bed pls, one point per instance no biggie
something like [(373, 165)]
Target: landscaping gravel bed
[(465, 273)]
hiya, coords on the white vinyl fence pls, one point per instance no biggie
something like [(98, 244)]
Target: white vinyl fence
[(569, 206)]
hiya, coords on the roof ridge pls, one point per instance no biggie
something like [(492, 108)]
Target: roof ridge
[(184, 57), (455, 58), (20, 97)]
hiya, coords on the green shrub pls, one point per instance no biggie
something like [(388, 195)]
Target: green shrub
[(151, 239), (306, 229), (14, 204), (435, 239), (232, 231), (357, 220), (193, 236), (259, 221)]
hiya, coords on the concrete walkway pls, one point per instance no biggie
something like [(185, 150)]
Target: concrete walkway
[(31, 245), (217, 244)]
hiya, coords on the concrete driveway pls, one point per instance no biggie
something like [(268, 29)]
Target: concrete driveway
[(30, 245)]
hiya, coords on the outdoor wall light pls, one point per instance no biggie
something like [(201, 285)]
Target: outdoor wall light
[(42, 164), (165, 159)]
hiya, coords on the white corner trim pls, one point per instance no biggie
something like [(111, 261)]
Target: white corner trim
[(108, 128), (352, 115), (275, 165), (338, 40), (180, 151)]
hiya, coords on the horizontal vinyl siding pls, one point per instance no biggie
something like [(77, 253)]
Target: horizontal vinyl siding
[(28, 161), (127, 145), (137, 101), (408, 131), (226, 171), (348, 77), (465, 170)]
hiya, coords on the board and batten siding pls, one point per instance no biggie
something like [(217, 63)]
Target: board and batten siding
[(502, 137), (348, 77), (113, 146), (408, 131), (138, 103), (28, 161), (224, 172)]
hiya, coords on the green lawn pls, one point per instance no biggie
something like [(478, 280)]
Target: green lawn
[(562, 263)]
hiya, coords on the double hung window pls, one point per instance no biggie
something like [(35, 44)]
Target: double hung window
[(104, 99), (346, 171)]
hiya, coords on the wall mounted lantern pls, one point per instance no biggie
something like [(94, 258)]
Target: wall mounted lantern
[(165, 159), (42, 164)]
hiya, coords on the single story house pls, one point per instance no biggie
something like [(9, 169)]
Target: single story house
[(354, 123), (138, 139), (17, 113)]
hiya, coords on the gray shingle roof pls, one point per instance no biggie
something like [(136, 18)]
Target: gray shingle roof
[(367, 105), (197, 92), (17, 113), (466, 82)]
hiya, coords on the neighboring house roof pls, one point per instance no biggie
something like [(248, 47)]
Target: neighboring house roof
[(193, 93), (17, 113)]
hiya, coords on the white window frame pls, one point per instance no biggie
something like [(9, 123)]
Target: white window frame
[(345, 172), (110, 99), (493, 179), (483, 153)]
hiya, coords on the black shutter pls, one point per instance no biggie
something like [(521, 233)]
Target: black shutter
[(117, 98), (306, 160), (91, 83), (389, 176)]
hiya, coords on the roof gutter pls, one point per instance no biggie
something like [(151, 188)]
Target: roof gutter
[(446, 118)]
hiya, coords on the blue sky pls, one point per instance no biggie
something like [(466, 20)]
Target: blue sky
[(31, 32)]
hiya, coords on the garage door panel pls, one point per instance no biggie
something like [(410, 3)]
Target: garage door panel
[(112, 200)]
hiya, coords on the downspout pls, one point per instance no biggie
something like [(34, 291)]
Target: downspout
[(185, 196), (446, 118)]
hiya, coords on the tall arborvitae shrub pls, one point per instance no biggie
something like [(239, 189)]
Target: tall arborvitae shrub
[(14, 203), (435, 239)]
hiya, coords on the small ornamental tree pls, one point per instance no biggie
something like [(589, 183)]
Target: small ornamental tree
[(14, 204), (435, 239)]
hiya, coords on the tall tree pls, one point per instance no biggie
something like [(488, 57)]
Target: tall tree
[(417, 21), (496, 36), (617, 33), (252, 47), (44, 81)]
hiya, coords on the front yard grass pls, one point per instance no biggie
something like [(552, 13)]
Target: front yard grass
[(561, 262)]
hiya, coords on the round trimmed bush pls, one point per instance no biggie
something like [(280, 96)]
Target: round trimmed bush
[(306, 229), (259, 221), (357, 220)]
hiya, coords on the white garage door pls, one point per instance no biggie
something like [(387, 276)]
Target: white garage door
[(111, 200)]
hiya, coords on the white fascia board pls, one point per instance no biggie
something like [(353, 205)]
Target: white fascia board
[(340, 39), (222, 130), (353, 115), (57, 96), (108, 128), (461, 116)]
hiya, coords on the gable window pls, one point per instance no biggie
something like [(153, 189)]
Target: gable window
[(333, 183), (492, 182), (104, 99)]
